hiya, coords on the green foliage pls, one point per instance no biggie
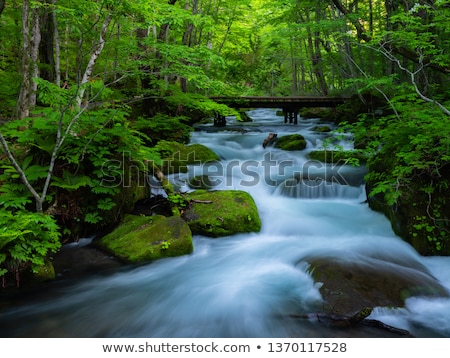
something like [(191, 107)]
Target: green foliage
[(408, 156), (178, 200), (165, 245), (97, 148), (163, 127), (25, 240)]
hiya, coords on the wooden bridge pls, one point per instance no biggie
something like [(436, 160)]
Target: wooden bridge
[(290, 105)]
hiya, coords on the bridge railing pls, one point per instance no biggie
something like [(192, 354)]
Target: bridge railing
[(277, 101)]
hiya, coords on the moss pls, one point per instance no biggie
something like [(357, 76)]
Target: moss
[(315, 112), (335, 156), (146, 238), (418, 217), (291, 142), (222, 213), (45, 273), (184, 155), (321, 129)]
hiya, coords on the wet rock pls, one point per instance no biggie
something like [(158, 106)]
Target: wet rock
[(321, 129), (291, 142), (348, 287), (222, 213), (81, 259), (140, 239), (180, 156)]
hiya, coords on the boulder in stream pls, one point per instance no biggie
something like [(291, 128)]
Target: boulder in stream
[(221, 213), (140, 239), (291, 142), (177, 156), (348, 287)]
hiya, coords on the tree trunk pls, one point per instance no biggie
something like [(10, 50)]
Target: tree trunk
[(2, 6), (57, 42), (187, 39), (46, 48), (35, 42), (93, 59), (23, 102)]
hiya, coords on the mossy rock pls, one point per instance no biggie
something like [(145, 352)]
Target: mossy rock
[(45, 273), (222, 213), (321, 129), (141, 239), (316, 112), (336, 156), (291, 142), (184, 155)]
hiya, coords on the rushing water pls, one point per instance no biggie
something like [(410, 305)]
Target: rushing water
[(245, 285)]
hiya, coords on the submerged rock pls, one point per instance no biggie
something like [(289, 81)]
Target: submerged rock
[(348, 287), (321, 129), (291, 142), (222, 213), (146, 238)]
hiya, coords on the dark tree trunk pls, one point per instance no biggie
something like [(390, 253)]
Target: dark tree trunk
[(2, 6), (46, 47)]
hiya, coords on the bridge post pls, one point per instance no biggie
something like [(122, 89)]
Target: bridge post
[(291, 115), (219, 120)]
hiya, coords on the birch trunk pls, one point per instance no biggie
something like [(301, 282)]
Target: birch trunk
[(57, 42), (35, 42), (93, 59)]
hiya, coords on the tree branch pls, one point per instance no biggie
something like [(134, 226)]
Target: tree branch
[(362, 34), (19, 170), (412, 76)]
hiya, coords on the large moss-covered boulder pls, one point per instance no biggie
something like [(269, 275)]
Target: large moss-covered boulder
[(291, 142), (178, 156), (147, 238), (222, 213)]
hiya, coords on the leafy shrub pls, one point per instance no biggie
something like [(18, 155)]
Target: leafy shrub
[(26, 239)]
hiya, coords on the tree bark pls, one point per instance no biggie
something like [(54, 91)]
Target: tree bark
[(35, 42), (93, 59), (46, 48), (187, 39), (2, 6), (23, 102), (57, 42)]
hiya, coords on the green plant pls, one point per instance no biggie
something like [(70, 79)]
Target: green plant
[(165, 245), (178, 200), (26, 239)]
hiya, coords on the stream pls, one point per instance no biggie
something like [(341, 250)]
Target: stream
[(245, 285)]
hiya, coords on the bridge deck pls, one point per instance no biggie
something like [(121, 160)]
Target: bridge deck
[(290, 102)]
